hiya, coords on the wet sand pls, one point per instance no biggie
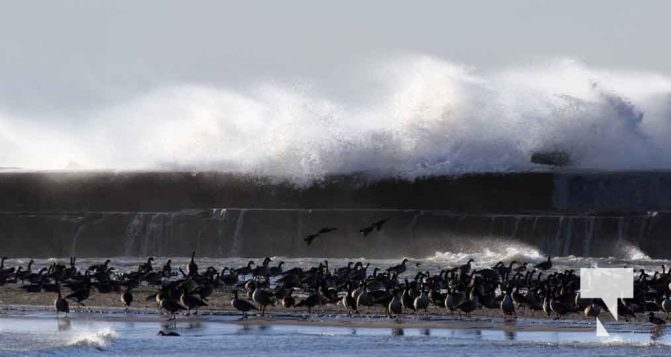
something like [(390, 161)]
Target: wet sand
[(15, 302)]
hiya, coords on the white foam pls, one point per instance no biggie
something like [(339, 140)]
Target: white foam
[(426, 116), (496, 251), (99, 339)]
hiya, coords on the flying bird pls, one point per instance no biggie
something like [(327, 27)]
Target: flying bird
[(365, 231), (310, 237), (326, 230), (378, 225)]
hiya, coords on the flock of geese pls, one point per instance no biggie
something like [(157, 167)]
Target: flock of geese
[(511, 288)]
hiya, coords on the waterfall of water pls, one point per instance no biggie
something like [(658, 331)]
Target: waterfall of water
[(413, 222), (567, 239), (237, 236), (75, 239), (134, 229), (589, 235)]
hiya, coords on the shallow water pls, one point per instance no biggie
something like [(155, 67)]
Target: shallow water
[(42, 334)]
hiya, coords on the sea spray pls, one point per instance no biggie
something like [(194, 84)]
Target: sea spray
[(427, 116)]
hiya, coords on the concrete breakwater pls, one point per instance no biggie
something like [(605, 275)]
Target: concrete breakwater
[(171, 213), (221, 232)]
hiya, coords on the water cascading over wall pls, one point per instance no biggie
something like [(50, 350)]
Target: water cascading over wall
[(171, 214), (258, 232)]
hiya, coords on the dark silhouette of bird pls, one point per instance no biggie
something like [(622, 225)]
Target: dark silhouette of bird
[(127, 297), (365, 231), (544, 265), (378, 225), (326, 230), (169, 333), (242, 305), (60, 304), (310, 237), (655, 320)]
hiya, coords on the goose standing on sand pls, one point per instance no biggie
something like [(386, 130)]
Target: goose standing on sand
[(407, 300), (242, 305), (364, 299), (666, 305), (544, 265), (395, 306), (452, 300), (421, 302), (191, 302), (192, 267), (127, 297), (507, 304), (349, 302), (61, 304), (262, 298), (167, 268), (471, 303), (171, 306), (593, 310)]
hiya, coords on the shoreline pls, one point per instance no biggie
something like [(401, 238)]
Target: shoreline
[(331, 319)]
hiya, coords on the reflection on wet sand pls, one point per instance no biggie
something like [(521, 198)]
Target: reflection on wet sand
[(64, 324)]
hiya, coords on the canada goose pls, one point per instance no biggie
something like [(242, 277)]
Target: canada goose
[(60, 304), (275, 271), (365, 231), (288, 301), (246, 270), (452, 300), (469, 305), (421, 302), (311, 301), (167, 268), (593, 310), (395, 306), (170, 306), (263, 299), (655, 320), (666, 305), (559, 308), (242, 305), (407, 300), (169, 333), (191, 302), (544, 265), (192, 267), (326, 230), (349, 302), (146, 267), (80, 295), (378, 224), (97, 268), (310, 237), (466, 268), (364, 299), (127, 297), (398, 269), (507, 304)]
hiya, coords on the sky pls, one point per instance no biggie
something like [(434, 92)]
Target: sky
[(68, 56), (166, 83)]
